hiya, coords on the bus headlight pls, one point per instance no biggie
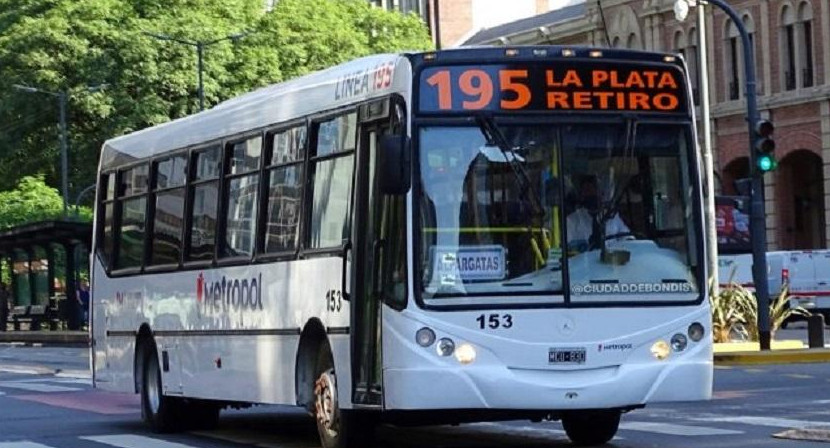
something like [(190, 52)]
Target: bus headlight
[(465, 354), (679, 342), (445, 347), (696, 331), (425, 337), (660, 350)]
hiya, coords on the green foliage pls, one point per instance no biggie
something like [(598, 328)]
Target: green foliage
[(33, 201), (735, 313), (69, 45)]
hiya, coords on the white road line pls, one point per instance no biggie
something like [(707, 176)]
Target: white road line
[(22, 444), (19, 370), (676, 430), (133, 441), (762, 421), (37, 387), (78, 374), (525, 429), (65, 380)]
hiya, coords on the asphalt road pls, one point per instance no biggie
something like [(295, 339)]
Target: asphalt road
[(46, 402)]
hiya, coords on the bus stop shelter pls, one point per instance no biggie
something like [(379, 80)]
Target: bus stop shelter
[(45, 262)]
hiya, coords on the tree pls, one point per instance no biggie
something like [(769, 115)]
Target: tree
[(32, 200), (67, 45)]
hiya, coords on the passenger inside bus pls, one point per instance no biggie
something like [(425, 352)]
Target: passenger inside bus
[(584, 231)]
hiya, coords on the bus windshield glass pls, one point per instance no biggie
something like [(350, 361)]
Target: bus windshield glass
[(557, 209)]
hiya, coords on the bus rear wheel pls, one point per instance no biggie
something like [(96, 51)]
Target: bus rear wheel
[(160, 412), (337, 428), (588, 428)]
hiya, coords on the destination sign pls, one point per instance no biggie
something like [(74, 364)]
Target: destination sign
[(572, 86)]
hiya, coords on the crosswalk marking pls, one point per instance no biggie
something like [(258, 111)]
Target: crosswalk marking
[(521, 429), (62, 380), (676, 430), (133, 441), (22, 444), (761, 421), (22, 371), (261, 440), (37, 387)]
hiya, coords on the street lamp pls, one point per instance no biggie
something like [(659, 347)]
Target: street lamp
[(757, 224), (200, 50), (61, 95)]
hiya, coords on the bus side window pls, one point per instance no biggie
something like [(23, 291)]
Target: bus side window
[(106, 229), (204, 196), (241, 193), (168, 215), (330, 170), (132, 211), (285, 179)]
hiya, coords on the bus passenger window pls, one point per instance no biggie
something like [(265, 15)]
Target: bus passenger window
[(132, 226), (284, 190), (168, 216), (242, 184), (204, 194), (108, 215), (331, 167)]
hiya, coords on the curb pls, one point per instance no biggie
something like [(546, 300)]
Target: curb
[(70, 338), (816, 355), (31, 369)]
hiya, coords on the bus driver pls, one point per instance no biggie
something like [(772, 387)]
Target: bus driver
[(583, 223)]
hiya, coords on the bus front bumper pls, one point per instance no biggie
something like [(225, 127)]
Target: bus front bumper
[(501, 387)]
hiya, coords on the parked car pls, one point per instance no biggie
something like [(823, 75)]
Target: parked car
[(807, 272)]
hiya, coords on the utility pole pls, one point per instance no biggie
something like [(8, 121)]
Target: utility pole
[(200, 55), (64, 151), (63, 97), (708, 162), (757, 224)]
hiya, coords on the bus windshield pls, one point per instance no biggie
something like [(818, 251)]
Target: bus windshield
[(603, 211)]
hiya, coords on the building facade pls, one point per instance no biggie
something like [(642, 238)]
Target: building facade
[(793, 73)]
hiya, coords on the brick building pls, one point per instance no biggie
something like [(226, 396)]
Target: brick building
[(793, 70)]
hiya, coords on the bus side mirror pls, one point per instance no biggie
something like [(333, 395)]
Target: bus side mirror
[(394, 169)]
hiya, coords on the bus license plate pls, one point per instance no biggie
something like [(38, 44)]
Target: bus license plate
[(566, 356)]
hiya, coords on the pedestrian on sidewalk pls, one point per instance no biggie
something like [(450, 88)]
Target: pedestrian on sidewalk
[(4, 306), (82, 296)]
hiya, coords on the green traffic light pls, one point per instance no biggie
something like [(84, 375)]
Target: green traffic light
[(766, 163)]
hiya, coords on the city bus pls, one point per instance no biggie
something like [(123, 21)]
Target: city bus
[(476, 234)]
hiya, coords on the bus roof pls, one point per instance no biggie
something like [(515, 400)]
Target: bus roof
[(306, 95)]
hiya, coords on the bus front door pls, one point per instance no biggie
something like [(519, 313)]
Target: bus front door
[(367, 246)]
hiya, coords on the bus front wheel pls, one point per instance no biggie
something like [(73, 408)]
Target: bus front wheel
[(588, 428), (337, 428), (158, 411)]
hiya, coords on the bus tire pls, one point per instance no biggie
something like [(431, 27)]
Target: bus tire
[(161, 413), (337, 428), (589, 428)]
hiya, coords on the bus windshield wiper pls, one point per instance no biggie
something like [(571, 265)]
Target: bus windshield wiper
[(609, 210), (494, 137)]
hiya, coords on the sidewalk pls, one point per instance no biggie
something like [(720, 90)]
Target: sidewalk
[(63, 337)]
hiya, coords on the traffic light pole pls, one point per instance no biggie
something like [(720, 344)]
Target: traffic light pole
[(757, 224)]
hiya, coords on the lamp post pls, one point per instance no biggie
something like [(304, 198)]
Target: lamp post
[(200, 54), (61, 95), (757, 224)]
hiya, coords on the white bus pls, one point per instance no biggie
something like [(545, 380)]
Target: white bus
[(444, 237)]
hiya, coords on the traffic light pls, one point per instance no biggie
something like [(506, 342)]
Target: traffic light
[(764, 147)]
